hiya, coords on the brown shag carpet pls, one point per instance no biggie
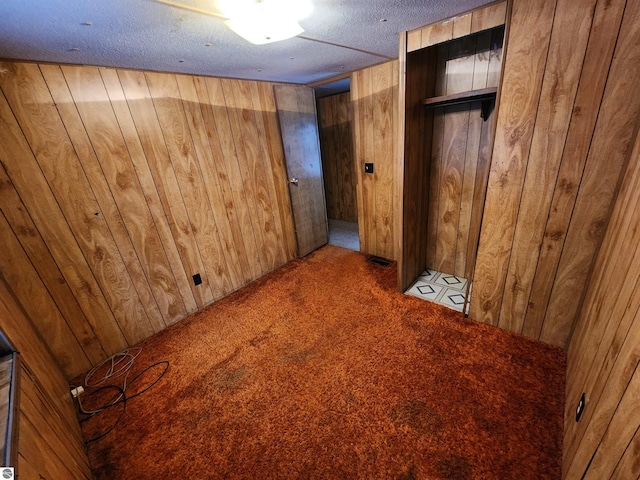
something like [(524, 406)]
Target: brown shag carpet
[(321, 370)]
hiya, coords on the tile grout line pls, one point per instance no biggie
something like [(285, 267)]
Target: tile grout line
[(441, 290)]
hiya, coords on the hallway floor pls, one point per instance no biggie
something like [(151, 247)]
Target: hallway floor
[(344, 234), (442, 288)]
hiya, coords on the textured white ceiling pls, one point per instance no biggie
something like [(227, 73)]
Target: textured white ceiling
[(340, 36)]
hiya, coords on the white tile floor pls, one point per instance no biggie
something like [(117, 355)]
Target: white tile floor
[(441, 288)]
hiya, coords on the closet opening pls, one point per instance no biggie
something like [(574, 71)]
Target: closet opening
[(450, 99)]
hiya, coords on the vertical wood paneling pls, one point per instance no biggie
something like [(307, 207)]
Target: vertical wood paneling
[(483, 166), (494, 69), (357, 138), (436, 33), (38, 200), (437, 153), (344, 151), (136, 151), (488, 17), (612, 139), (550, 190), (484, 53), (462, 65), (25, 281), (394, 170), (106, 161), (42, 423), (344, 180), (225, 105), (384, 84), (456, 127), (628, 464), (145, 118), (414, 40), (588, 99), (217, 177), (458, 77), (244, 152), (605, 350), (117, 186), (363, 133), (467, 197), (524, 68), (264, 177), (462, 25), (330, 165), (35, 111), (538, 258), (442, 52), (567, 47), (171, 116), (49, 441), (483, 18), (278, 166), (417, 125), (374, 97), (428, 69), (259, 176), (338, 165), (205, 164), (401, 124), (51, 275)]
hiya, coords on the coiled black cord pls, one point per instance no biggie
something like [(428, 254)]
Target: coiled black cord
[(120, 364)]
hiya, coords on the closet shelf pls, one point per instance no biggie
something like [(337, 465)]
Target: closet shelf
[(462, 97)]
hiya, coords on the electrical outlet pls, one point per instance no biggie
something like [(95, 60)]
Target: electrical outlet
[(580, 408), (197, 279), (76, 391)]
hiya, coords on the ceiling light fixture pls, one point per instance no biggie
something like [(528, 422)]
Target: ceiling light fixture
[(265, 21)]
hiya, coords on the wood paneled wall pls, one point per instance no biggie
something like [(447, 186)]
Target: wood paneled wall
[(50, 444), (338, 165), (483, 18), (460, 155), (604, 353), (117, 186), (374, 97), (567, 117)]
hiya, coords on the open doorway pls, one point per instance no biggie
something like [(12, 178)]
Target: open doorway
[(338, 163)]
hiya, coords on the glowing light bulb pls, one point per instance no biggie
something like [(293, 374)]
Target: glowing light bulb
[(265, 21)]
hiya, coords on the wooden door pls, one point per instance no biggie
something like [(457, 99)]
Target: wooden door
[(299, 128)]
